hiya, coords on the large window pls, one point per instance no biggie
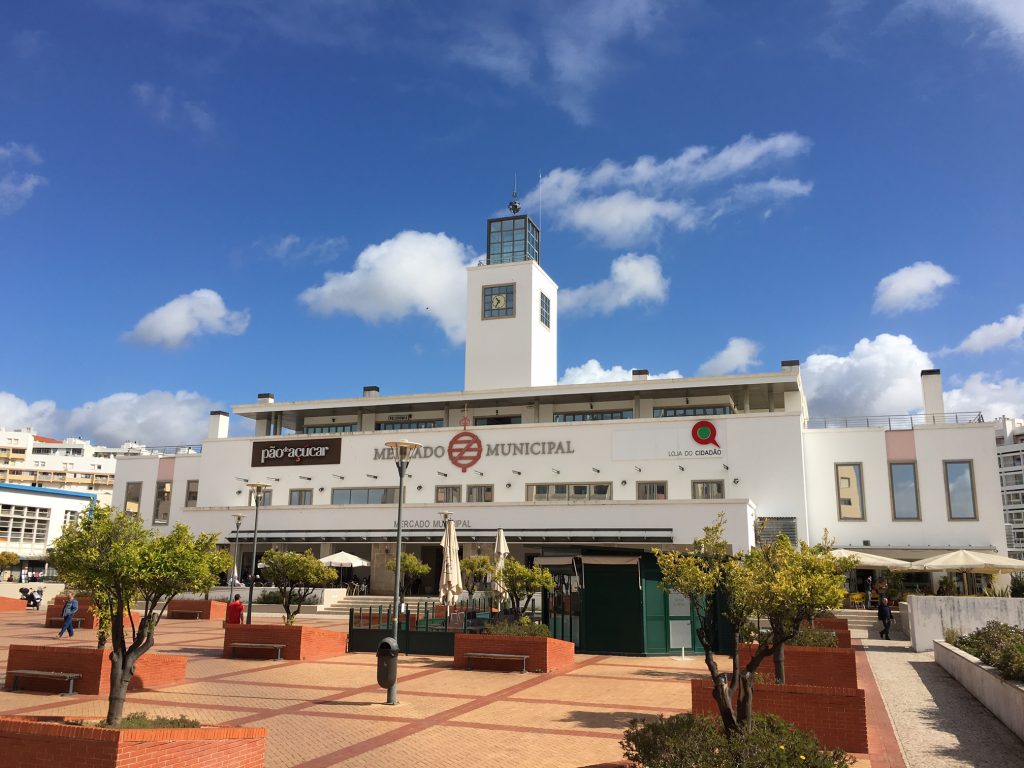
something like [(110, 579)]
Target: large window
[(448, 494), (192, 493), (364, 495), (23, 524), (594, 415), (960, 490), (133, 497), (650, 491), (1010, 460), (692, 410), (499, 301), (903, 481), (479, 494), (326, 429), (569, 492), (850, 491), (300, 497), (708, 489), (545, 310), (1011, 479), (162, 503), (388, 426)]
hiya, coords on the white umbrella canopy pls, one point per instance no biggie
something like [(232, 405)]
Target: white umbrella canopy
[(867, 560), (344, 560), (501, 552), (968, 561), (450, 584)]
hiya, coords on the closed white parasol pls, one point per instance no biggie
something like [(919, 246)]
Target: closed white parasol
[(450, 583)]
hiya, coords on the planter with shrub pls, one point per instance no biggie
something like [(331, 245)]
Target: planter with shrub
[(812, 658), (301, 643), (521, 638), (43, 742), (151, 671), (695, 741)]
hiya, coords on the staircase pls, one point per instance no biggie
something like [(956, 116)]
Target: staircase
[(863, 622), (367, 602)]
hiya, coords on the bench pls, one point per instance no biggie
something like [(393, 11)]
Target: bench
[(520, 657), (184, 614), (58, 621), (275, 646), (14, 674)]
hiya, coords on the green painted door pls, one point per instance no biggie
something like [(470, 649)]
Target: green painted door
[(612, 610)]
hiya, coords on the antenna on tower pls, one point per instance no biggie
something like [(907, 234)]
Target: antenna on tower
[(540, 192), (513, 204)]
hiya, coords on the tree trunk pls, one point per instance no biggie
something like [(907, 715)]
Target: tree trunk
[(101, 638), (779, 656), (118, 687), (745, 703), (724, 701)]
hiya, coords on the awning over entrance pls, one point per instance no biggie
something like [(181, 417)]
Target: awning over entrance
[(522, 536)]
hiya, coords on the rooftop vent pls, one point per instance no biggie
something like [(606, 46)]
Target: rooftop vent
[(640, 374), (371, 391), (790, 364), (265, 397)]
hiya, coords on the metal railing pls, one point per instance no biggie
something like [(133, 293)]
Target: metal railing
[(894, 422), (165, 450), (432, 615)]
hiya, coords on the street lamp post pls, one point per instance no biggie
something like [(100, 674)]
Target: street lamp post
[(239, 517), (403, 450), (257, 492)]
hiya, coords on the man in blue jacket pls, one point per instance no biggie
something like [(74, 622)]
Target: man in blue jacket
[(70, 609), (885, 616)]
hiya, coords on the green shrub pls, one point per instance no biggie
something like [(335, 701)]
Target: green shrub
[(998, 645), (142, 720), (521, 628), (815, 638), (951, 636), (1017, 585), (697, 741), (270, 598)]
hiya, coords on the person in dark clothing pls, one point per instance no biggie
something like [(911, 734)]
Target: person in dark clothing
[(867, 593), (885, 616), (68, 614)]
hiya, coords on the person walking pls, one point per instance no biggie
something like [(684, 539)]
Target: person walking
[(867, 592), (68, 614), (235, 610), (885, 616)]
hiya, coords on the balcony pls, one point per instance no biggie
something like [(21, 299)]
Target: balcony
[(894, 422)]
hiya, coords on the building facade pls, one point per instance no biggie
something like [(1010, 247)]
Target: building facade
[(31, 518), (576, 472), (1010, 454)]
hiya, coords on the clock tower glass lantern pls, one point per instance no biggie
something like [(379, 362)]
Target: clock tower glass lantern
[(512, 238)]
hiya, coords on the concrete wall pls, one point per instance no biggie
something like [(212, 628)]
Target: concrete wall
[(1003, 698), (931, 616)]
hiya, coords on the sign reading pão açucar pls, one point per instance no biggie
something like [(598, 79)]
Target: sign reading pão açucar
[(291, 453)]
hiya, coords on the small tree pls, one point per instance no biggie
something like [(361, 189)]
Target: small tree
[(521, 583), (297, 577), (412, 568), (112, 556), (8, 560), (474, 570)]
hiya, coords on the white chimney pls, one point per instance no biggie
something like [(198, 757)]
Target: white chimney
[(265, 397), (371, 391), (218, 425), (931, 390), (640, 374)]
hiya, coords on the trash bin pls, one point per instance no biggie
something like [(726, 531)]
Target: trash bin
[(387, 662)]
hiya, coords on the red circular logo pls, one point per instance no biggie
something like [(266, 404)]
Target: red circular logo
[(704, 433), (465, 450)]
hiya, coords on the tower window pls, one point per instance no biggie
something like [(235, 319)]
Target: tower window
[(545, 310), (499, 301)]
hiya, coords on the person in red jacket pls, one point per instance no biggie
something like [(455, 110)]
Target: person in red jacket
[(235, 610)]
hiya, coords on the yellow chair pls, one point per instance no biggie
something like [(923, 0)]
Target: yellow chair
[(855, 599)]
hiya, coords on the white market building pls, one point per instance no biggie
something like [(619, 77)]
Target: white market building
[(584, 470)]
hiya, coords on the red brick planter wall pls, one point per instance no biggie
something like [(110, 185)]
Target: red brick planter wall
[(826, 667), (837, 716), (11, 604), (831, 622), (152, 670), (302, 643), (53, 612), (31, 743), (546, 654), (208, 609)]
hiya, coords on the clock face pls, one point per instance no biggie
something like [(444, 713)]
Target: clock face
[(498, 301)]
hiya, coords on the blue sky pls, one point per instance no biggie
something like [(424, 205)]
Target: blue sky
[(207, 199)]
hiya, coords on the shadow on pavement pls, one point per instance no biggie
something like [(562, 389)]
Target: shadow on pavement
[(618, 721)]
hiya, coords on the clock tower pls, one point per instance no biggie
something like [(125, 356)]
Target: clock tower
[(512, 322)]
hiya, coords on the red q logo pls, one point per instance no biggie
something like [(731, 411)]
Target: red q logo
[(704, 433), (465, 450)]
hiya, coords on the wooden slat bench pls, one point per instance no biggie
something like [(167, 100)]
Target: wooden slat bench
[(275, 646), (58, 621), (184, 614), (14, 674), (517, 656)]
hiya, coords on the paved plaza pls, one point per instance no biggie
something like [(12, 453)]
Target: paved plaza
[(328, 713)]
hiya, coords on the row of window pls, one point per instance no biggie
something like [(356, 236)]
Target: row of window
[(1011, 460), (19, 524), (1011, 479), (903, 489), (381, 426)]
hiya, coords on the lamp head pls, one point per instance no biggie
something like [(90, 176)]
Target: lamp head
[(403, 448)]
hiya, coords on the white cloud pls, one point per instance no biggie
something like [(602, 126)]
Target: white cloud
[(622, 205), (918, 286), (413, 273), (166, 107), (634, 279), (998, 334), (993, 397), (292, 248), (592, 371), (153, 418), (879, 377), (739, 354), (191, 314), (1004, 19), (16, 185)]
